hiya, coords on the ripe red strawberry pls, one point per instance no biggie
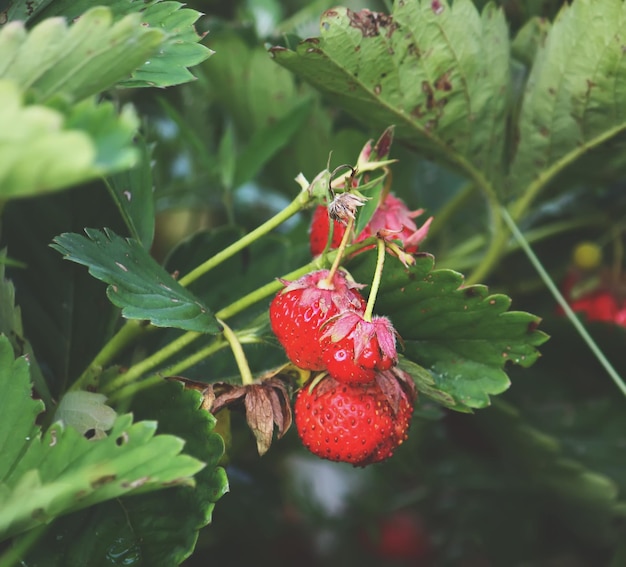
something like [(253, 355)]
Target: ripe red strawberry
[(352, 423), (597, 306), (593, 297), (318, 232), (298, 312), (355, 349)]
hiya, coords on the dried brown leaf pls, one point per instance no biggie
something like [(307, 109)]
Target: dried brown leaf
[(260, 416)]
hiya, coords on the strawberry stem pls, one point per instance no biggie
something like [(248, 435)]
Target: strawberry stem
[(127, 334), (554, 290), (239, 354), (174, 369), (340, 250), (152, 361), (378, 274), (294, 207)]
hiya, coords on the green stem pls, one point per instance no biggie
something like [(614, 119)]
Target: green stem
[(198, 356), (128, 333), (276, 285), (518, 209), (294, 207), (137, 370), (239, 354), (340, 250), (265, 291), (547, 280), (548, 175), (378, 275), (175, 369), (130, 390)]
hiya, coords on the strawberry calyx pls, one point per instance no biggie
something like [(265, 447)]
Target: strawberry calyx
[(355, 348), (314, 284), (298, 312)]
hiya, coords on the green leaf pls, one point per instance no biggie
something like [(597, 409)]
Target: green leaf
[(86, 411), (440, 73), (179, 412), (180, 50), (254, 90), (11, 10), (77, 61), (135, 530), (573, 105), (46, 150), (175, 44), (463, 336), (18, 411), (11, 327), (137, 284), (65, 314), (72, 9), (528, 39), (257, 95), (266, 142), (111, 134), (426, 385), (44, 476), (132, 191)]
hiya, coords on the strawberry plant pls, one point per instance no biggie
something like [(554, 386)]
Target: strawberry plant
[(275, 277)]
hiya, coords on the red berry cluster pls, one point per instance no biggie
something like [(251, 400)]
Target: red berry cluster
[(594, 290), (601, 305), (359, 408), (361, 411)]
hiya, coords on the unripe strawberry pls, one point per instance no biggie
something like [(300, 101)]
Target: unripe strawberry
[(355, 349), (298, 312), (352, 423)]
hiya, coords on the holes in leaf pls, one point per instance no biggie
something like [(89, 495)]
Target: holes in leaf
[(122, 439)]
